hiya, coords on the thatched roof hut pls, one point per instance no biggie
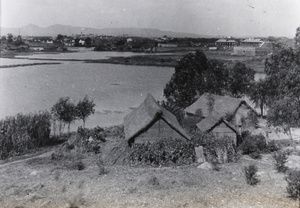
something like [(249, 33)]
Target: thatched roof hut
[(151, 122), (216, 106), (218, 127), (221, 105)]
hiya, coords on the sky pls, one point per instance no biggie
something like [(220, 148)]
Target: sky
[(207, 17)]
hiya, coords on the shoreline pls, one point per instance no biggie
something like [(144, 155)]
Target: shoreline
[(23, 65)]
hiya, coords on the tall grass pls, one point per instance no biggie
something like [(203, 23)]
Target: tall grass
[(23, 132)]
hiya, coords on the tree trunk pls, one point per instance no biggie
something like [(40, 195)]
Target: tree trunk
[(69, 124), (83, 123), (60, 126), (262, 109)]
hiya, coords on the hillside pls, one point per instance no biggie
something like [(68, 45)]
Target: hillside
[(69, 30)]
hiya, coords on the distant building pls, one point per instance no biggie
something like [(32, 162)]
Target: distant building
[(251, 42), (225, 43)]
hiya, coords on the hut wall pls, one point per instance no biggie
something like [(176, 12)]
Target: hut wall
[(223, 130), (241, 113), (159, 130)]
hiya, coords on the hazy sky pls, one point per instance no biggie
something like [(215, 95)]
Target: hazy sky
[(208, 17)]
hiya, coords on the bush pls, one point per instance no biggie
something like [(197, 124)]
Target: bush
[(250, 174), (255, 155), (216, 150), (280, 160), (253, 143), (80, 165), (293, 187), (163, 152), (24, 132), (272, 146)]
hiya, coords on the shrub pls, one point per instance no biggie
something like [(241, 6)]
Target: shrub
[(253, 143), (216, 150), (255, 155), (80, 165), (293, 187), (280, 160), (251, 175), (220, 150), (272, 146), (163, 152)]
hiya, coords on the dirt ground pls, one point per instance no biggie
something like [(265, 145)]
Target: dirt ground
[(41, 182)]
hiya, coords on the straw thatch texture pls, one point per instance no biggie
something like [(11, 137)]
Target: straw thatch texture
[(222, 105), (209, 123), (144, 116)]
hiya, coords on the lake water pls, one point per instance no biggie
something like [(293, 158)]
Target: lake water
[(114, 88)]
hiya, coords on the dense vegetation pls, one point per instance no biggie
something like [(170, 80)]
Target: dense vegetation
[(164, 152), (24, 132), (195, 75)]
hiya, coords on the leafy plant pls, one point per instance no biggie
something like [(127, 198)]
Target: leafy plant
[(280, 160), (251, 175), (253, 143), (255, 155), (293, 187), (163, 152)]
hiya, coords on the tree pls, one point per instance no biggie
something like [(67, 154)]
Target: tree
[(88, 42), (195, 75), (19, 41), (241, 79), (283, 89), (258, 95), (59, 38), (77, 42), (297, 37), (84, 109), (64, 111), (9, 37)]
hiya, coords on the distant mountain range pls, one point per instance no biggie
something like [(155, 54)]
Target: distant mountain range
[(54, 30)]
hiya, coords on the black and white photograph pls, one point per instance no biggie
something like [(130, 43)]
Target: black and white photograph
[(149, 103)]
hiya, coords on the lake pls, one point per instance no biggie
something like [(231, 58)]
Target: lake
[(114, 88)]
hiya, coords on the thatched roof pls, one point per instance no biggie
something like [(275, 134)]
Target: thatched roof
[(143, 116), (209, 123), (222, 105)]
